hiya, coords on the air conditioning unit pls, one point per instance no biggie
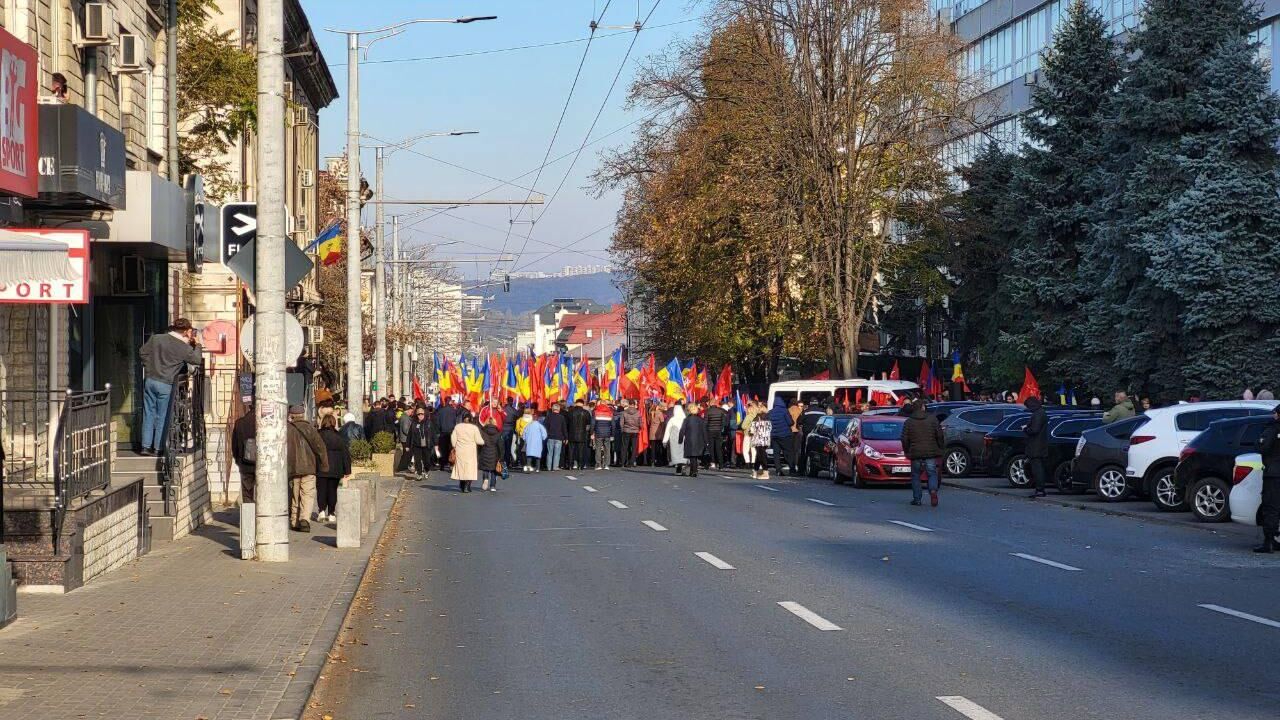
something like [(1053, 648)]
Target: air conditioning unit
[(307, 178), (288, 91), (314, 334), (1031, 79), (131, 56), (300, 223), (129, 276), (301, 116), (99, 18)]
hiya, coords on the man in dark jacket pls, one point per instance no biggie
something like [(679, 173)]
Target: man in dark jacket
[(923, 442), (780, 435), (244, 449), (557, 433), (446, 421), (808, 421), (1269, 446), (422, 441), (164, 357), (307, 455), (404, 439), (693, 436), (629, 423), (578, 420), (510, 414), (715, 416), (1037, 432)]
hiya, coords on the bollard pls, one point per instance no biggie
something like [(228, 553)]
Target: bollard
[(248, 531), (349, 515), (366, 497)]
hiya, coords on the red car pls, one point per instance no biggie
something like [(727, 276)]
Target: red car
[(869, 451)]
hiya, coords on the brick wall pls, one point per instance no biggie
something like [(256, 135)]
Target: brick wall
[(193, 505), (111, 542)]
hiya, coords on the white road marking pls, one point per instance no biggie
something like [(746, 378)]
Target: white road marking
[(588, 488), (1242, 615), (820, 502), (714, 561), (727, 477), (1043, 561), (913, 526), (654, 526), (766, 487), (571, 477), (968, 708), (809, 616), (617, 504)]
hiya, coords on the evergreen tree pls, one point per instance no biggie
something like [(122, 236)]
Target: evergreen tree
[(1220, 258), (1055, 192), (1134, 318)]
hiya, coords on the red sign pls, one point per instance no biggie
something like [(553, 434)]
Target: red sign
[(72, 291), (19, 137)]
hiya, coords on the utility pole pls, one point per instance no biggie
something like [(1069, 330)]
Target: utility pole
[(355, 320), (395, 304), (270, 397), (405, 376), (381, 381)]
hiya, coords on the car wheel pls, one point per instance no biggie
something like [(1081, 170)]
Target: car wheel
[(836, 477), (858, 482), (1209, 500), (957, 462), (1111, 484), (1165, 493), (1062, 479), (1016, 471)]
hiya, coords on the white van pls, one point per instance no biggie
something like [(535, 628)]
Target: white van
[(824, 390)]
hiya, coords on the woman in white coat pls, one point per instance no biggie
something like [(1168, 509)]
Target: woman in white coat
[(675, 448)]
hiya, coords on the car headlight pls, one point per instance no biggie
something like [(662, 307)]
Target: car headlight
[(871, 452)]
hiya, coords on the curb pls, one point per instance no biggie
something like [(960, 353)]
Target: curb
[(298, 693)]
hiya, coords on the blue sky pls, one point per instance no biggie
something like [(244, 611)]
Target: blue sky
[(512, 98)]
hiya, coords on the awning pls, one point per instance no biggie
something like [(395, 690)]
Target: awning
[(32, 258)]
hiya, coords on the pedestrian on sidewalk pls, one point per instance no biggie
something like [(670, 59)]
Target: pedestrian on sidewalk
[(244, 450), (759, 435), (673, 441), (923, 443), (422, 441), (307, 455), (337, 469), (164, 357), (557, 433), (1269, 511), (1037, 432), (464, 442), (602, 430), (630, 425), (715, 417), (693, 438), (578, 420), (490, 456), (535, 442), (351, 429), (404, 440)]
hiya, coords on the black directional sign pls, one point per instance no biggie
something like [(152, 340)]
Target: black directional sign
[(239, 227)]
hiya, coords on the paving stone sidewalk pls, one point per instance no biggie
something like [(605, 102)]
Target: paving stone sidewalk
[(188, 631)]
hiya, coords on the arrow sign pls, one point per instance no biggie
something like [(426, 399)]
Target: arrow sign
[(245, 224), (239, 227)]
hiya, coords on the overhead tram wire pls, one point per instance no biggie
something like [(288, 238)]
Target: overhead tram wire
[(640, 24), (595, 22)]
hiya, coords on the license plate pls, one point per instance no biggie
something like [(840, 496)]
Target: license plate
[(901, 469)]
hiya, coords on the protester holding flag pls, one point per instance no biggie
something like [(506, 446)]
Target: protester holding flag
[(1037, 432)]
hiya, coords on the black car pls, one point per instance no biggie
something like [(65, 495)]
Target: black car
[(1203, 473), (1006, 444), (1101, 456), (964, 429), (819, 444)]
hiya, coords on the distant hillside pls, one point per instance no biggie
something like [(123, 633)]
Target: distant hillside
[(528, 295)]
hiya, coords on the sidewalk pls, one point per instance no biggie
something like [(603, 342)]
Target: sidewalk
[(188, 631)]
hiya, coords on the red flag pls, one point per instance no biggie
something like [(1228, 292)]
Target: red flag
[(417, 391), (724, 385), (824, 375), (642, 442), (894, 374), (924, 381), (1030, 388)]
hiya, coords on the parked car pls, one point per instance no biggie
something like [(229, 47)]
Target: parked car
[(869, 451), (1246, 491), (1203, 472), (1155, 446), (1006, 446), (819, 444), (1101, 456), (964, 429)]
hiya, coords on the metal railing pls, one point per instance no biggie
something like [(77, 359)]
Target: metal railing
[(185, 428)]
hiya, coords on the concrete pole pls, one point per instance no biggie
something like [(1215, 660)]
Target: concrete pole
[(355, 319), (393, 381), (271, 404), (171, 89), (381, 379)]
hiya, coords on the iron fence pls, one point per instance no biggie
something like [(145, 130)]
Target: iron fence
[(185, 431)]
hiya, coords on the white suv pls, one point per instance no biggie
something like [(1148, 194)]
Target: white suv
[(1156, 444)]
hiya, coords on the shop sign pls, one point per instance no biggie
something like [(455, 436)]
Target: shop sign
[(18, 119), (74, 290)]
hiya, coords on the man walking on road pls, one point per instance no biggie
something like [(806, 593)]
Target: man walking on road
[(780, 423), (578, 419), (693, 438), (630, 426), (1122, 410), (1269, 446), (307, 455), (1037, 432), (716, 416), (923, 443), (557, 433), (602, 418)]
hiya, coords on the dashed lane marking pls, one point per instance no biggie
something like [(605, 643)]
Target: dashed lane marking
[(809, 616), (968, 708), (588, 488), (571, 477), (1242, 615), (714, 561), (766, 487), (820, 502), (617, 504), (913, 526), (1043, 561), (654, 526)]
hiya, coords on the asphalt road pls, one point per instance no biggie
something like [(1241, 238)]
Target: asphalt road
[(553, 600)]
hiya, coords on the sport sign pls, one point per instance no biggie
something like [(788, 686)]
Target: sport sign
[(19, 135)]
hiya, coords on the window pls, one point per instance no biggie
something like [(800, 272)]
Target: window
[(155, 109), (1200, 419), (1075, 428), (1123, 429), (1251, 434), (985, 418), (841, 423), (881, 430)]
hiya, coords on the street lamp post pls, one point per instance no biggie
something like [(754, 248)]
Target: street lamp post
[(355, 328)]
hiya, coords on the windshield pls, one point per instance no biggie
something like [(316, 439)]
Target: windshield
[(872, 430), (841, 424)]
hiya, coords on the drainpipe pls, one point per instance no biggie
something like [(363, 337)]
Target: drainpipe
[(171, 89), (91, 80)]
